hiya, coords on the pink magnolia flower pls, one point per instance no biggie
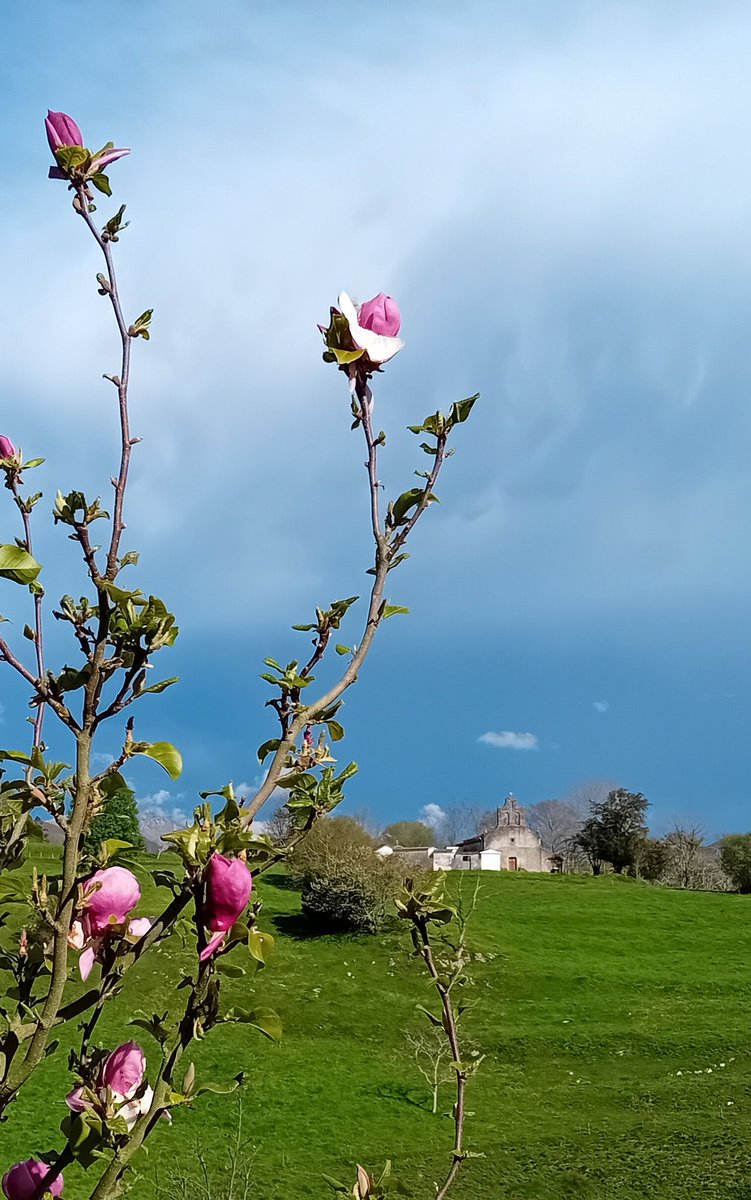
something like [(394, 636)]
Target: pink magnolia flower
[(63, 131), (118, 1089), (108, 898), (7, 449), (371, 336), (381, 314), (22, 1180), (228, 887)]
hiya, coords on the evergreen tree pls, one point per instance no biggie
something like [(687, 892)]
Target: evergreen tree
[(615, 831), (118, 819)]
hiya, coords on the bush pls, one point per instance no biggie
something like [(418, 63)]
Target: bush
[(350, 890), (345, 884), (337, 836), (735, 858)]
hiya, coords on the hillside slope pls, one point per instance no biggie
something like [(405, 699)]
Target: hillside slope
[(614, 1017)]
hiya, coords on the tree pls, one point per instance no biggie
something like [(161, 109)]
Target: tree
[(118, 819), (735, 858), (585, 795), (556, 822), (432, 1055), (615, 830), (688, 865), (454, 823), (409, 833), (653, 859), (589, 841)]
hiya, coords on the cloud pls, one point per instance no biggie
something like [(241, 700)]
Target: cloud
[(601, 706), (162, 807), (602, 241), (433, 814), (508, 740)]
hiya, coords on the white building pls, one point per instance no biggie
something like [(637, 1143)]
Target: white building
[(510, 846)]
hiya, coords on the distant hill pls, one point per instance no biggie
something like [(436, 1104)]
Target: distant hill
[(52, 832), (152, 825)]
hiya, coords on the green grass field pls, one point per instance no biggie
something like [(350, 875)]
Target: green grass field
[(614, 1017)]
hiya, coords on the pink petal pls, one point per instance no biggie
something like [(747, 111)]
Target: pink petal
[(86, 962), (124, 1069), (75, 1100), (212, 947)]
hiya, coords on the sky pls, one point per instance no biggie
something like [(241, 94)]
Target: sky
[(559, 197)]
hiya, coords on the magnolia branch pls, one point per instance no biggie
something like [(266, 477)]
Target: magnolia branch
[(121, 382), (38, 626), (449, 1026), (384, 557)]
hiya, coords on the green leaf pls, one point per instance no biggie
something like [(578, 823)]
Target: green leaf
[(340, 649), (345, 356), (433, 1019), (405, 502), (113, 845), (140, 327), (390, 610), (164, 753), (71, 158), (461, 409), (336, 1185), (85, 1136), (220, 1089), (162, 686), (232, 970), (269, 747), (265, 1020), (260, 945), (18, 565), (336, 731), (101, 183)]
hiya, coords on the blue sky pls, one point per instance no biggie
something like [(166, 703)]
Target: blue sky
[(559, 197)]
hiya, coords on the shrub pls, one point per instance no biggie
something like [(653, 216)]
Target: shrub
[(330, 836), (350, 889), (735, 858)]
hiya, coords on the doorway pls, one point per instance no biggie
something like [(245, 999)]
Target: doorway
[(512, 864)]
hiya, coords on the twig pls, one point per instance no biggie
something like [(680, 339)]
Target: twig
[(38, 614)]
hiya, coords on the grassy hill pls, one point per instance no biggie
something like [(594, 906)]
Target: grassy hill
[(614, 1017)]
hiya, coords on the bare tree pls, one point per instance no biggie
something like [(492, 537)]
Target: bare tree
[(692, 863), (280, 825), (556, 822), (432, 1055), (585, 795), (457, 822)]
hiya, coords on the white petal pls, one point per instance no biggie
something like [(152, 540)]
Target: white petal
[(377, 346), (76, 937)]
